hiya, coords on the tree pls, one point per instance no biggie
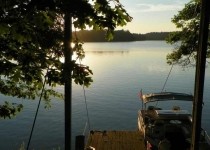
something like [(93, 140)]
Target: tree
[(186, 40), (31, 44), (98, 36)]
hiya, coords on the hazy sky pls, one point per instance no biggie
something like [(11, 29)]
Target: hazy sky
[(152, 15)]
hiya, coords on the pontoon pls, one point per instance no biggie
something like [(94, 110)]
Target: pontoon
[(167, 128)]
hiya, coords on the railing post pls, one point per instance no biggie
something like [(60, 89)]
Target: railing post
[(200, 73), (80, 142)]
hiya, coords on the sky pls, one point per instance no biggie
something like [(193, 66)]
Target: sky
[(152, 15)]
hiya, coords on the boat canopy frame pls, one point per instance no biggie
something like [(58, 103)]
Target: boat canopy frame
[(166, 96)]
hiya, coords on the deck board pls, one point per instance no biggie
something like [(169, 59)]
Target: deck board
[(116, 140)]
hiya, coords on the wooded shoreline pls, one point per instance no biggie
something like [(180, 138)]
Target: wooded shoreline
[(119, 36)]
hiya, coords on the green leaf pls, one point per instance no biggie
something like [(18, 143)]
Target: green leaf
[(31, 41), (4, 29)]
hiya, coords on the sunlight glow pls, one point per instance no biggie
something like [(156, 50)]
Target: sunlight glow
[(152, 15)]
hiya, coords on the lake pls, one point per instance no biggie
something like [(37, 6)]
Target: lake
[(120, 70)]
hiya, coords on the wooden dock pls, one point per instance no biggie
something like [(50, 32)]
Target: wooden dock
[(115, 140)]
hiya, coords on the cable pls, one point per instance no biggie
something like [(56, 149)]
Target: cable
[(84, 129), (87, 113), (32, 129), (165, 82), (167, 78), (83, 86), (88, 118)]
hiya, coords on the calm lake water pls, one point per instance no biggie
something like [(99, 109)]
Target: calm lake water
[(120, 70)]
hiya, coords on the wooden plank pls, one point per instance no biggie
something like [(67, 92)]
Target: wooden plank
[(116, 140)]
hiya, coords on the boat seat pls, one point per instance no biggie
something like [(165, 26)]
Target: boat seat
[(158, 129), (204, 146), (176, 108), (151, 108), (164, 145), (159, 123), (186, 132)]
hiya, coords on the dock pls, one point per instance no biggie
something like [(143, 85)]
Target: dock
[(115, 140)]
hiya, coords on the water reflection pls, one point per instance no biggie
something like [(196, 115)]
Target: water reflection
[(120, 70)]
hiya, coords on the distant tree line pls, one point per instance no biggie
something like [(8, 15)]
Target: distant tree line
[(151, 36), (119, 36)]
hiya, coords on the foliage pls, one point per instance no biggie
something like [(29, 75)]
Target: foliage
[(98, 36), (99, 15), (9, 110), (31, 42), (119, 36), (156, 35), (186, 40)]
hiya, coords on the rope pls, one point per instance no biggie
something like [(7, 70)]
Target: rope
[(167, 78), (87, 113), (165, 82), (84, 128), (32, 129)]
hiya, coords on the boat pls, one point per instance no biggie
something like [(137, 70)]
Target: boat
[(167, 128)]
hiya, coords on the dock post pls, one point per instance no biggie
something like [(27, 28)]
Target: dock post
[(80, 142), (200, 73)]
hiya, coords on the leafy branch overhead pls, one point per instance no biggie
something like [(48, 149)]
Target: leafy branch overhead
[(31, 42), (9, 110), (186, 40)]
